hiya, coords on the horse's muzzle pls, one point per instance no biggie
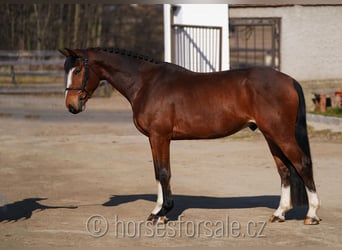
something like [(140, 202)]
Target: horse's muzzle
[(73, 110), (76, 107)]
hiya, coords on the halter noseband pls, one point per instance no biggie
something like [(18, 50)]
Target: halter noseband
[(85, 77)]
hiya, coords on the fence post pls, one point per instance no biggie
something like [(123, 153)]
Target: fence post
[(323, 103), (13, 75)]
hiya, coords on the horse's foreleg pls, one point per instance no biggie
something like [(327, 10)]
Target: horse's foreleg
[(160, 147)]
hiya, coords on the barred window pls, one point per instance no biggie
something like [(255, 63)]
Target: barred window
[(254, 42)]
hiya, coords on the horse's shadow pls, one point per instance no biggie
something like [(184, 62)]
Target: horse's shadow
[(184, 202), (23, 209)]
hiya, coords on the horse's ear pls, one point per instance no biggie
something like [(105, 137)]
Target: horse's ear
[(67, 52), (61, 51)]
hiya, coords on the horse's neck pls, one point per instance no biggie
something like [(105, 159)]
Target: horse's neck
[(124, 75)]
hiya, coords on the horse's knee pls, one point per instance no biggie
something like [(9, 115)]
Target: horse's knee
[(164, 176)]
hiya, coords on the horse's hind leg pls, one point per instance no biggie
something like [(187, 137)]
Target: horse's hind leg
[(285, 198), (297, 179), (303, 167)]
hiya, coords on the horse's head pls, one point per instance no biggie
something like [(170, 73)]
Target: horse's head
[(82, 79)]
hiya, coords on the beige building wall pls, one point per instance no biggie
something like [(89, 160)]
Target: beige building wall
[(311, 39)]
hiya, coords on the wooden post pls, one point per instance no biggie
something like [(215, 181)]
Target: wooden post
[(338, 94), (322, 103), (13, 75)]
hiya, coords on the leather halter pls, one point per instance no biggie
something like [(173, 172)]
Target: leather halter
[(85, 76)]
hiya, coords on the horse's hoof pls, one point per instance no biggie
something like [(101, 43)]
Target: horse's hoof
[(311, 220), (274, 218), (157, 219)]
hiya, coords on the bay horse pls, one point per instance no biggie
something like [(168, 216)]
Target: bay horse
[(172, 103)]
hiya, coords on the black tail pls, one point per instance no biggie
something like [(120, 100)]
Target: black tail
[(301, 132), (298, 191)]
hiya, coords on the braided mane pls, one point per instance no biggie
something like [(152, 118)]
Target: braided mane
[(128, 53)]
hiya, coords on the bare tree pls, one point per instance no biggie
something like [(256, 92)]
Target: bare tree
[(52, 26)]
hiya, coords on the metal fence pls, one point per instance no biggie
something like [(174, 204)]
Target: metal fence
[(197, 48)]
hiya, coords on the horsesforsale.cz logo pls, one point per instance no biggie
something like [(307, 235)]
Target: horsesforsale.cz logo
[(98, 226)]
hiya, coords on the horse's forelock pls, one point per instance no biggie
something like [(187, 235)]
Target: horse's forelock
[(69, 63)]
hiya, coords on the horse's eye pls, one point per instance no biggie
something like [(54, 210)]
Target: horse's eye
[(77, 71)]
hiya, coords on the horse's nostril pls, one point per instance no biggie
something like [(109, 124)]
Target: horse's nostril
[(72, 109)]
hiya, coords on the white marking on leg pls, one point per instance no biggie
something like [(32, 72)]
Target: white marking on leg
[(314, 204), (69, 80), (285, 202), (159, 204)]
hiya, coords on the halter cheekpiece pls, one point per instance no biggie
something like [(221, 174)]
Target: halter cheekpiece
[(85, 77)]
